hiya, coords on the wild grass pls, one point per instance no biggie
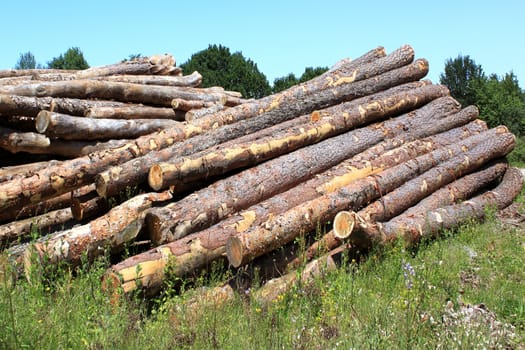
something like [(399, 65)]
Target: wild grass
[(394, 298)]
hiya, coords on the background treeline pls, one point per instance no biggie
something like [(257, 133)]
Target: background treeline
[(499, 98)]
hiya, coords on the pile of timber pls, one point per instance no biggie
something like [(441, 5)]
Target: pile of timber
[(137, 154)]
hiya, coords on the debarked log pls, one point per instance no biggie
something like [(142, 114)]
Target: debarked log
[(115, 179), (429, 223), (110, 231), (79, 128), (283, 228), (325, 123), (237, 192)]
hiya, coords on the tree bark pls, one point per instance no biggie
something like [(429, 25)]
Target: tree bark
[(125, 92), (115, 179), (31, 106), (88, 206), (192, 80), (78, 128), (9, 73), (324, 124), (283, 228), (112, 230), (186, 105), (237, 192), (426, 223), (134, 112), (14, 141), (193, 114), (10, 172)]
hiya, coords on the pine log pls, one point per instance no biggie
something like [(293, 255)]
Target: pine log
[(193, 114), (186, 105), (8, 73), (280, 104), (112, 230), (31, 106), (283, 228), (192, 80), (164, 229), (40, 225), (78, 128), (134, 112), (112, 181), (14, 141), (428, 223), (125, 92), (326, 123), (157, 65), (204, 208), (88, 206), (10, 172)]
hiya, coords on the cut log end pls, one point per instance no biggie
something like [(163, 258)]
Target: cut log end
[(101, 184), (234, 251), (155, 177), (42, 121), (344, 223)]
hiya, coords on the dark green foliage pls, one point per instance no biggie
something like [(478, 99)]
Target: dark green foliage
[(219, 67), (461, 75), (133, 57), (73, 58), (283, 83), (26, 61)]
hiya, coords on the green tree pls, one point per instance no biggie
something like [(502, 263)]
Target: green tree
[(73, 58), (310, 73), (26, 61), (462, 76), (283, 83), (219, 67)]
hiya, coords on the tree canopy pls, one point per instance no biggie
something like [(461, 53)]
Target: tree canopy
[(73, 58), (26, 61), (219, 67), (283, 83), (500, 99)]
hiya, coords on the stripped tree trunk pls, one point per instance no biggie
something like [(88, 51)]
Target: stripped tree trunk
[(192, 80), (134, 112), (136, 171), (324, 124), (429, 222), (237, 192), (78, 128), (283, 228), (31, 106), (112, 230)]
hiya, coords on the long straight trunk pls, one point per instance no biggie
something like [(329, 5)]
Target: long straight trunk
[(283, 228), (201, 112), (237, 192), (112, 230), (31, 106), (192, 80), (134, 112), (78, 128), (427, 223), (324, 124), (136, 171), (15, 141), (186, 105)]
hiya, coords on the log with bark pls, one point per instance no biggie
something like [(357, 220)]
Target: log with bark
[(110, 231), (78, 128), (117, 178), (283, 228), (180, 104), (192, 80), (193, 114), (15, 141), (206, 207), (428, 221), (324, 124), (134, 111)]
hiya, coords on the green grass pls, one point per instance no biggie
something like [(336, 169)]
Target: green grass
[(395, 299)]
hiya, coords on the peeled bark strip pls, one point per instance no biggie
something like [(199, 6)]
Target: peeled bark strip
[(41, 224), (280, 103), (192, 80), (201, 112), (124, 92), (283, 228), (31, 106), (115, 179), (15, 142), (78, 128), (206, 207), (326, 123), (429, 223), (112, 230), (186, 105), (134, 112)]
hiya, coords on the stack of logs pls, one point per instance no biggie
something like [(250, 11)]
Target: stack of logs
[(137, 154)]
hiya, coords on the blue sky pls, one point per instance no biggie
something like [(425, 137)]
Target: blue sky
[(280, 36)]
